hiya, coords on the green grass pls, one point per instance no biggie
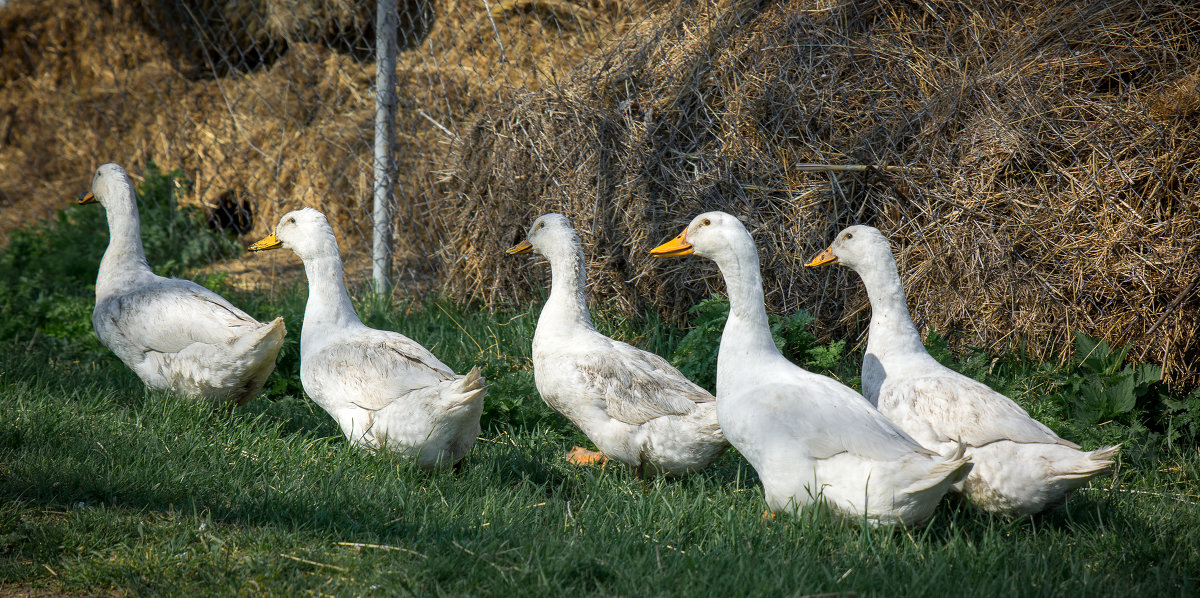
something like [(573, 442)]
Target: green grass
[(109, 488), (107, 485)]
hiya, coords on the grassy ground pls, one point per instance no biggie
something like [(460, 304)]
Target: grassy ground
[(107, 486)]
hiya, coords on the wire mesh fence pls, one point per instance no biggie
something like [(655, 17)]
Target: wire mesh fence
[(1033, 162), (268, 105)]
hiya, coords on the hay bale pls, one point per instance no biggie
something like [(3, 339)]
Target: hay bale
[(210, 38), (1048, 150), (103, 80), (1046, 156)]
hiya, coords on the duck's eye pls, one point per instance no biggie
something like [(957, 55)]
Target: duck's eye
[(849, 236), (705, 222), (541, 225), (291, 220)]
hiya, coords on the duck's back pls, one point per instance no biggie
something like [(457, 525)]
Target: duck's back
[(176, 334), (368, 369), (167, 315), (937, 405), (1021, 466), (809, 436), (386, 390), (630, 385), (633, 404), (815, 420)]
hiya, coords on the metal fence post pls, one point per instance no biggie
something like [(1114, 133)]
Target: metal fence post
[(386, 21)]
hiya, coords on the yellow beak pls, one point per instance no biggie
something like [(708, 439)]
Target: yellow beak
[(825, 258), (522, 247), (85, 198), (268, 243), (676, 247)]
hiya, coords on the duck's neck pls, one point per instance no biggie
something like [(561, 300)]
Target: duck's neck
[(747, 333), (124, 258), (567, 304), (892, 333), (328, 305)]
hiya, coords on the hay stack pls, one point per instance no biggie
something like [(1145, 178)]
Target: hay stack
[(84, 82), (1041, 164), (211, 38), (1044, 154)]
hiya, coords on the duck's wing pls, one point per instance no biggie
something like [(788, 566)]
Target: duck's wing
[(172, 315), (636, 386), (373, 370), (828, 418), (956, 407)]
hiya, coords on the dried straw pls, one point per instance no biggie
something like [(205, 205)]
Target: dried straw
[(1033, 162), (1034, 165)]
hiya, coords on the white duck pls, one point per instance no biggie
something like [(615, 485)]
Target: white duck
[(174, 334), (809, 437), (636, 407), (1021, 467), (383, 389)]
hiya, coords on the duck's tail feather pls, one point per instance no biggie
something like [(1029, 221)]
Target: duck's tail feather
[(952, 469), (264, 342), (258, 350), (1090, 464), (468, 388)]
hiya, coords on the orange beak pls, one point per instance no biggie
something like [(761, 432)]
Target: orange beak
[(676, 247), (825, 258), (271, 242), (522, 247)]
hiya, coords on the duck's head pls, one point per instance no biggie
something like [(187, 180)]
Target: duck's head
[(854, 248), (111, 187), (547, 234), (712, 235), (305, 231)]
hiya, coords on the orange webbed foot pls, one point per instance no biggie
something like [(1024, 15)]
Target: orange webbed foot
[(581, 456)]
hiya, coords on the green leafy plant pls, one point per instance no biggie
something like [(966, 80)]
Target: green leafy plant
[(1181, 417), (177, 238), (696, 355), (1101, 386), (794, 340)]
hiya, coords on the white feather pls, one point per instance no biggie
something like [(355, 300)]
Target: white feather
[(384, 389), (810, 438), (635, 406), (174, 334), (1021, 466)]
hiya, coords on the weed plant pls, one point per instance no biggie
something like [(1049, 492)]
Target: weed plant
[(696, 355)]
